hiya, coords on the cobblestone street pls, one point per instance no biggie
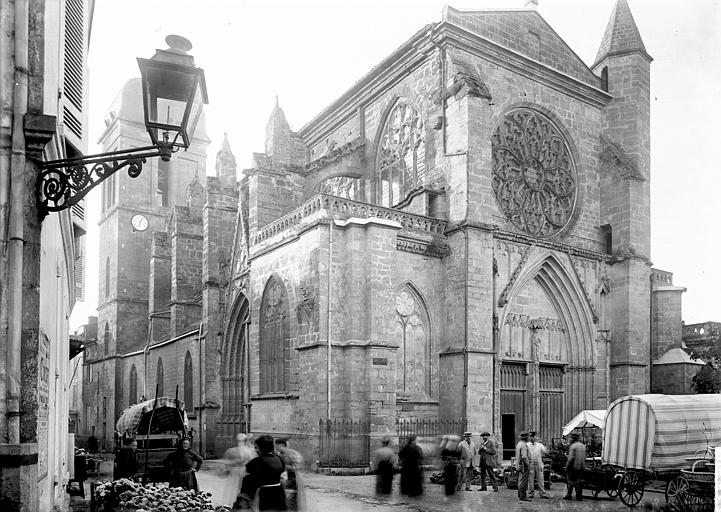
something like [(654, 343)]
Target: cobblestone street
[(356, 494)]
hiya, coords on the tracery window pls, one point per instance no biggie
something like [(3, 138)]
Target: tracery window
[(534, 177), (401, 160), (274, 338), (159, 378), (188, 383), (133, 387), (414, 355)]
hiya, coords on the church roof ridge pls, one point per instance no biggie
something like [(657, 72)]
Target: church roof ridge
[(622, 35)]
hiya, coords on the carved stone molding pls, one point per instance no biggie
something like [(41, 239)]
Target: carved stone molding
[(335, 154), (305, 310), (614, 159), (436, 248), (585, 291), (568, 249), (536, 324), (503, 299)]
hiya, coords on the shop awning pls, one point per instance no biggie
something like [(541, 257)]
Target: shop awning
[(585, 419)]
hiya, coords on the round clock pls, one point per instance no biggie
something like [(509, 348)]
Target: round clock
[(139, 222)]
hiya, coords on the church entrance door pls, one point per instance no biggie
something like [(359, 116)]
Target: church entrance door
[(513, 405)]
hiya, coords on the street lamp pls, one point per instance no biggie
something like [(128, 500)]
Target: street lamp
[(174, 93)]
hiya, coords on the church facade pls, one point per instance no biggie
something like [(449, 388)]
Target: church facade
[(463, 234)]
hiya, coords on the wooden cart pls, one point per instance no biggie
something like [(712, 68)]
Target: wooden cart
[(157, 425), (652, 440)]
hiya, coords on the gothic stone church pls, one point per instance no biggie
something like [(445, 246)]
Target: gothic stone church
[(463, 234)]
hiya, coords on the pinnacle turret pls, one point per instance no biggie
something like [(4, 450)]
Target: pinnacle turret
[(225, 166), (622, 35)]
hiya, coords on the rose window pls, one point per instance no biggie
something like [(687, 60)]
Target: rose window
[(534, 178)]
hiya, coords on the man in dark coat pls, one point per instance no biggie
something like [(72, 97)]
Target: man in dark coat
[(263, 478), (487, 451), (575, 466), (126, 463)]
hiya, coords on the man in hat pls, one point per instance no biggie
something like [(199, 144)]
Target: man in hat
[(487, 452), (523, 466), (468, 452), (536, 450), (575, 466)]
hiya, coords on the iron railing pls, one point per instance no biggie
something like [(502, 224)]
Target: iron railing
[(344, 443), (427, 432)]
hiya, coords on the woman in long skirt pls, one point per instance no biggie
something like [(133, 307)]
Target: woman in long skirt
[(411, 468), (182, 466)]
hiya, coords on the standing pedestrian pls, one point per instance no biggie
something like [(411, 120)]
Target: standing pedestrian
[(523, 466), (450, 454), (126, 463), (182, 466), (575, 466), (468, 452), (411, 468), (235, 459), (263, 477), (536, 451), (487, 452), (294, 487), (384, 466), (92, 442)]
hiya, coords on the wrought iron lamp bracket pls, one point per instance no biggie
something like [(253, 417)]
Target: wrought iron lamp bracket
[(63, 183)]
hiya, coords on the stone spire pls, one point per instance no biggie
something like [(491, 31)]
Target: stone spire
[(225, 166), (282, 145), (622, 35), (276, 130)]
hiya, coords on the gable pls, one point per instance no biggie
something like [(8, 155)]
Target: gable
[(525, 32)]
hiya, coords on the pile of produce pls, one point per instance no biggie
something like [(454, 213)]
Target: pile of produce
[(126, 495)]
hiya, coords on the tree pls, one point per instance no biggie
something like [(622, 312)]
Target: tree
[(708, 378)]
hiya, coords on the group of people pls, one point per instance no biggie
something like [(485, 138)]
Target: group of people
[(529, 464), (458, 459), (268, 473), (385, 466)]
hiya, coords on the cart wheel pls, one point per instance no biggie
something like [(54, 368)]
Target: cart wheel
[(675, 489), (612, 492), (630, 490)]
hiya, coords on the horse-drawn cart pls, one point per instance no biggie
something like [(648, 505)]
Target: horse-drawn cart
[(655, 442)]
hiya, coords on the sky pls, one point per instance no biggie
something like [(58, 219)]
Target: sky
[(309, 52)]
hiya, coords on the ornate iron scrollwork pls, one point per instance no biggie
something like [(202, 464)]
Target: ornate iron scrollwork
[(63, 183), (534, 177)]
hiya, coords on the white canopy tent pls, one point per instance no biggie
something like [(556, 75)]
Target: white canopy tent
[(584, 419)]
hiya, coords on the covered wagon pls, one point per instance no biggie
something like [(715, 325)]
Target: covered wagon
[(661, 438), (157, 425)]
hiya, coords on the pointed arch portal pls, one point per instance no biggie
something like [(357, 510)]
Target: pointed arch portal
[(234, 369), (546, 346)]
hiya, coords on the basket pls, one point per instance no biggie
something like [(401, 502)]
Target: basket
[(701, 477)]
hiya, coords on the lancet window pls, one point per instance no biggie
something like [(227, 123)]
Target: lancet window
[(414, 355), (188, 383), (159, 378), (133, 393), (274, 338), (401, 160)]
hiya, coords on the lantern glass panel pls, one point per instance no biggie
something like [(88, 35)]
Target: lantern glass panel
[(196, 110)]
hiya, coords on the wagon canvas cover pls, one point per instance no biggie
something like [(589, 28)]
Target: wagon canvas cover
[(585, 419), (166, 417), (658, 432)]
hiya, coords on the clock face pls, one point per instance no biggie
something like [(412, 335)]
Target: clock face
[(139, 222)]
